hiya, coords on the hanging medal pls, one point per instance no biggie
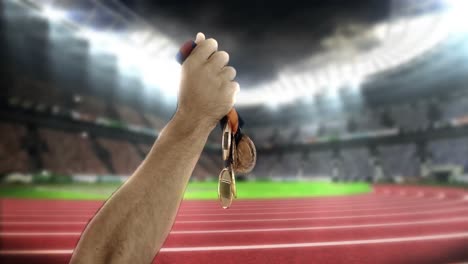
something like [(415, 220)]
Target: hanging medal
[(238, 151)]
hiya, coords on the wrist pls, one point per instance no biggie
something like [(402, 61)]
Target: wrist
[(188, 124)]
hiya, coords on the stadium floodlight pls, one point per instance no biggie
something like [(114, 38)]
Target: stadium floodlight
[(456, 15), (272, 102), (53, 14), (100, 41), (321, 79), (302, 84), (354, 84), (287, 86), (140, 37), (162, 74), (333, 90), (461, 5), (381, 31)]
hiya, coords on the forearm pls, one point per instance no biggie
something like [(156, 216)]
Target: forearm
[(134, 223)]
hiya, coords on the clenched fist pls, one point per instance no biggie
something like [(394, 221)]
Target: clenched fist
[(207, 90)]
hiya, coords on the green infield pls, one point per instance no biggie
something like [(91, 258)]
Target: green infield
[(195, 190), (258, 190)]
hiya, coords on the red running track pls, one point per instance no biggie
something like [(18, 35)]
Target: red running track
[(394, 224)]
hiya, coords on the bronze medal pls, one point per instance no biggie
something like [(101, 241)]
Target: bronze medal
[(233, 175), (245, 157)]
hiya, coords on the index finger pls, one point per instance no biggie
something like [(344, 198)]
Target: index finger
[(205, 48)]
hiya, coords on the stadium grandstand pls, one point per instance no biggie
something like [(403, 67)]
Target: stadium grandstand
[(378, 107)]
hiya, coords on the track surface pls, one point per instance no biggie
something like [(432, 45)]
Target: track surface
[(393, 224)]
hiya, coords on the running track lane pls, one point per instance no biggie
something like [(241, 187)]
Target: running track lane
[(394, 224)]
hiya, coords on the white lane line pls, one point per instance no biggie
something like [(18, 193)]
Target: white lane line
[(15, 223), (241, 204), (26, 212), (212, 208), (36, 252), (416, 200), (229, 213), (333, 227), (244, 204), (331, 201), (321, 200), (287, 229), (426, 238), (430, 212), (251, 202), (293, 201), (383, 208), (323, 244), (23, 234), (46, 216)]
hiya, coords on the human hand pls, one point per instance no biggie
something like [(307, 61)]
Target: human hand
[(207, 90)]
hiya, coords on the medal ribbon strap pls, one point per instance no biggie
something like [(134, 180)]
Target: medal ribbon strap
[(233, 118)]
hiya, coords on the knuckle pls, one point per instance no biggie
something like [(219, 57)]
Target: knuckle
[(233, 71), (235, 86), (224, 54), (211, 42), (221, 56), (230, 73)]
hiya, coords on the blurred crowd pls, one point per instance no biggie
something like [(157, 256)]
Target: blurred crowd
[(32, 148), (420, 114)]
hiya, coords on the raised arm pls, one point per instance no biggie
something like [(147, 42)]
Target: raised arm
[(134, 223)]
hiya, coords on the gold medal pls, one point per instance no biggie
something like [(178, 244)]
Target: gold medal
[(227, 182), (225, 187), (227, 142), (239, 156)]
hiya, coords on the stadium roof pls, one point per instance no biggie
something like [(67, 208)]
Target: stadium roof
[(283, 52)]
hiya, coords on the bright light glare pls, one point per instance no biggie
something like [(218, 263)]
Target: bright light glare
[(381, 31), (158, 71), (457, 15), (457, 4), (143, 53), (53, 14), (150, 56), (402, 40), (356, 82)]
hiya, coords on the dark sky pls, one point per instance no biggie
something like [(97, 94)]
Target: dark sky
[(260, 36)]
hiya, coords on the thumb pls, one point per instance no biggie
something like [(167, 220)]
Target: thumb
[(200, 37)]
